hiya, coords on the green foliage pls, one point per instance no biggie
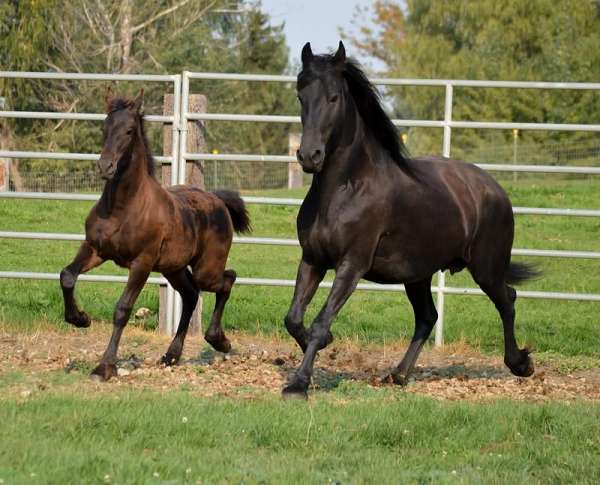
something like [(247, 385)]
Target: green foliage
[(541, 40), (134, 36)]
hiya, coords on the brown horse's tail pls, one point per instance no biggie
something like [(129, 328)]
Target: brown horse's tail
[(237, 210), (520, 272)]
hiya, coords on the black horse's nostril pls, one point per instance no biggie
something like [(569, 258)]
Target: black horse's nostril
[(316, 156), (299, 156)]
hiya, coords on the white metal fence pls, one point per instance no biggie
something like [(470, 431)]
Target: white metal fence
[(179, 157)]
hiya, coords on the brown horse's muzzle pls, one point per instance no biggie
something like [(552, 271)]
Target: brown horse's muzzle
[(107, 167)]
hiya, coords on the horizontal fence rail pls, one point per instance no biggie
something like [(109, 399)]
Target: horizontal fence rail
[(181, 116), (325, 284)]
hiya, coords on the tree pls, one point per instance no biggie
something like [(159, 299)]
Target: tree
[(138, 36), (539, 40)]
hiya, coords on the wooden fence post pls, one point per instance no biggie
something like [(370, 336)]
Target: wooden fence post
[(196, 143), (294, 168)]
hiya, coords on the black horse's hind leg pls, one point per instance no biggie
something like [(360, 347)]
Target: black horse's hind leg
[(419, 295), (503, 297), (215, 335), (182, 281), (307, 282), (136, 281), (86, 259), (345, 282)]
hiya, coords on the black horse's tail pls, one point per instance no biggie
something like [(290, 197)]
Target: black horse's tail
[(520, 272), (237, 210)]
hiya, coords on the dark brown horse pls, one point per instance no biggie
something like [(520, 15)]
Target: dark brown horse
[(372, 212), (141, 226)]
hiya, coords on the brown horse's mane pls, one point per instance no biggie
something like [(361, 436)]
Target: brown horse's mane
[(119, 103)]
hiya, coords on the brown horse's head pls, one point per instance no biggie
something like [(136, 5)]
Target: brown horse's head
[(121, 128)]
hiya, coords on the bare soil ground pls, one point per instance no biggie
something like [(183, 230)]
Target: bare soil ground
[(53, 361)]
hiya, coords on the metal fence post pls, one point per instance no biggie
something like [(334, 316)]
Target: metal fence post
[(173, 299), (439, 326)]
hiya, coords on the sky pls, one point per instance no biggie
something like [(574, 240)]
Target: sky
[(317, 22)]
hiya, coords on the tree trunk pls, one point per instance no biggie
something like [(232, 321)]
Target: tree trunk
[(126, 35)]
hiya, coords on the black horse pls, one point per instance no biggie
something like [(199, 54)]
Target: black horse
[(374, 213)]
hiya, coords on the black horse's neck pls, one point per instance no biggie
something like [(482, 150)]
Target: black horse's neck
[(132, 173)]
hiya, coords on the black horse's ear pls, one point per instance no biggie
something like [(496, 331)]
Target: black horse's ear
[(307, 54), (108, 96), (340, 55), (138, 102)]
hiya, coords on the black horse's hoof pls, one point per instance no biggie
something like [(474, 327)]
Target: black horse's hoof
[(294, 392), (218, 341), (395, 378), (523, 367), (169, 359), (79, 319), (104, 372)]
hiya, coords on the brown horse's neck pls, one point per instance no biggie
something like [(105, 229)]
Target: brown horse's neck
[(122, 189)]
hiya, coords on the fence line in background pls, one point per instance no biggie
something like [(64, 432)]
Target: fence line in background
[(179, 157)]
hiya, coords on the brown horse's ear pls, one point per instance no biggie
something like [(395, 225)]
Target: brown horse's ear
[(108, 97), (340, 55), (307, 55), (138, 102)]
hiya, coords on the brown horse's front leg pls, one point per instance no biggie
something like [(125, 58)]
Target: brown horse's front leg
[(86, 259), (307, 282), (137, 279)]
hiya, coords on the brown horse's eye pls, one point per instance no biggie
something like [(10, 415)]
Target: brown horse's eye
[(130, 131), (333, 99)]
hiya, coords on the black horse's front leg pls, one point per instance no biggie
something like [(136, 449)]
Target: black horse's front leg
[(307, 282), (86, 259), (345, 282), (136, 281)]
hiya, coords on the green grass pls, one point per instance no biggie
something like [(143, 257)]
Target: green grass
[(567, 328), (353, 434)]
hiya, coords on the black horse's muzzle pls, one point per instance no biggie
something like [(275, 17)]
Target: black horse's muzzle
[(312, 163)]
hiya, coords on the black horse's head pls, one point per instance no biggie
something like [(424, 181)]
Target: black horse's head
[(119, 133), (334, 92), (322, 94)]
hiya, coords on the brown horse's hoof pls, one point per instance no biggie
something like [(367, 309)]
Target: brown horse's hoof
[(218, 341), (104, 372), (169, 359), (395, 378), (79, 319), (523, 367)]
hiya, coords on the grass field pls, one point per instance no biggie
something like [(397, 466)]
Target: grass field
[(65, 430), (127, 438), (568, 328)]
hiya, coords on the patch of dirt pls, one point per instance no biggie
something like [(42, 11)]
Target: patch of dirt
[(39, 362)]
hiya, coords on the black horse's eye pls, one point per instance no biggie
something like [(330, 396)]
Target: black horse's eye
[(333, 98), (130, 131)]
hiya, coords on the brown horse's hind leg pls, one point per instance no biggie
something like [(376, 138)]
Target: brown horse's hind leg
[(184, 284), (503, 297), (419, 295), (136, 281), (86, 259), (215, 335)]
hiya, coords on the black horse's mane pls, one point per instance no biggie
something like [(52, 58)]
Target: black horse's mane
[(367, 100), (120, 103)]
